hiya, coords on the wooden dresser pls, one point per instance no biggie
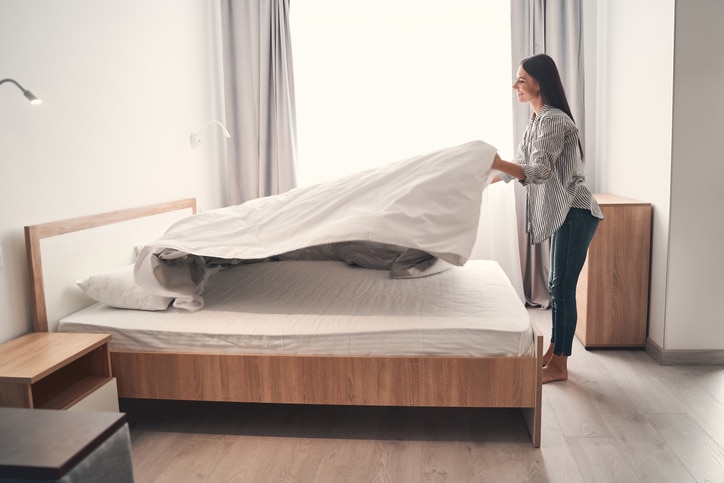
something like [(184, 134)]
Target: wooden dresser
[(613, 289)]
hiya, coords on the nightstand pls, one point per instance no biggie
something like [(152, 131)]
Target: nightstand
[(613, 289), (54, 370)]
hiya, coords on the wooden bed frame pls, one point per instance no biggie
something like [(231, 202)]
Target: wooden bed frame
[(491, 382)]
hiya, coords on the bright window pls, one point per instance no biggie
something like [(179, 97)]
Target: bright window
[(382, 80)]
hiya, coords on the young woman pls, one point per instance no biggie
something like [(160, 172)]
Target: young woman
[(559, 206)]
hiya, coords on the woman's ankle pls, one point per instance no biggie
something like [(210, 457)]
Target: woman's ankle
[(556, 369), (547, 355)]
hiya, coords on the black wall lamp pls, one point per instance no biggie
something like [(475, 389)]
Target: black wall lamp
[(28, 95)]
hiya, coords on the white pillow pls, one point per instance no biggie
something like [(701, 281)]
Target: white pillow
[(119, 289)]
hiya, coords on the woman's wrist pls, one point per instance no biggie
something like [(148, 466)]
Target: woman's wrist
[(511, 169), (497, 163)]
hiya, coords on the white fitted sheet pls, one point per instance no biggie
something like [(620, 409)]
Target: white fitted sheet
[(327, 307)]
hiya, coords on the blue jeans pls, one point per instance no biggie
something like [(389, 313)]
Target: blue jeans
[(569, 246)]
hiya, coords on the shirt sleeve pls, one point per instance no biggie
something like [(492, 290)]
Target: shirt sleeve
[(505, 177), (546, 147)]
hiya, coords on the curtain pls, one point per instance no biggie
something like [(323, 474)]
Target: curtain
[(497, 237), (552, 27), (259, 92)]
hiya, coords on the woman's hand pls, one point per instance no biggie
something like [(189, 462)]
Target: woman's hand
[(496, 162), (507, 167), (494, 167)]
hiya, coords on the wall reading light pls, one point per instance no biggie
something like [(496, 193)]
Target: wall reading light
[(28, 95), (195, 138)]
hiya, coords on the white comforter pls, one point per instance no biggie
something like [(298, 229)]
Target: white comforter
[(429, 203)]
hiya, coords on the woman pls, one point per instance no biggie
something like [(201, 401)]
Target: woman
[(559, 206)]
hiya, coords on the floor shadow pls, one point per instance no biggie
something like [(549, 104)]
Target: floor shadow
[(333, 422)]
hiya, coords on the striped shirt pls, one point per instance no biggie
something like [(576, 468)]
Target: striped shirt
[(554, 173)]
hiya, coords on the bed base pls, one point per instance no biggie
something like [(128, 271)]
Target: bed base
[(490, 382)]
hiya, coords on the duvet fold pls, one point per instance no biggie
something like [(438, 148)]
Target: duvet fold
[(429, 204)]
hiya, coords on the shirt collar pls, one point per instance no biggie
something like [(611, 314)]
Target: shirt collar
[(543, 110)]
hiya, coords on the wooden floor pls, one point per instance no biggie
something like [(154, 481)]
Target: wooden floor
[(620, 417)]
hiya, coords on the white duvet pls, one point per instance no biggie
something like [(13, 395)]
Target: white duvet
[(430, 203)]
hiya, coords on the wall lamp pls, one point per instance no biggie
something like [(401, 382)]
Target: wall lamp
[(195, 138), (28, 95)]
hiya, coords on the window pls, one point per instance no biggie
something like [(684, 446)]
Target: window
[(382, 80)]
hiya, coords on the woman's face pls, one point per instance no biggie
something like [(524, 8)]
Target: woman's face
[(527, 87)]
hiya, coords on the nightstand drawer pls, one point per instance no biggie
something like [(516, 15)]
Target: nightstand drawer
[(104, 398)]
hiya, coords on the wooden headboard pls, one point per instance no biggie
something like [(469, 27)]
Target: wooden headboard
[(80, 246)]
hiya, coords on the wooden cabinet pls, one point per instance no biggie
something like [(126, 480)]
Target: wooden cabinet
[(613, 289), (52, 370)]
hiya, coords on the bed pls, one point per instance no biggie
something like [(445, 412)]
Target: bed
[(295, 331)]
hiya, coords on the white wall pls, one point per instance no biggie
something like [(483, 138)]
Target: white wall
[(696, 267), (659, 139), (590, 66), (633, 109), (123, 85)]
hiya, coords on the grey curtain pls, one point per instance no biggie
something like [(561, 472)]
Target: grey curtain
[(552, 27), (259, 91)]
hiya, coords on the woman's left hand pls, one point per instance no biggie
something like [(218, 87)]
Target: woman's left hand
[(496, 162)]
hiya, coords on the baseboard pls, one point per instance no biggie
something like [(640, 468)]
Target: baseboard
[(684, 357)]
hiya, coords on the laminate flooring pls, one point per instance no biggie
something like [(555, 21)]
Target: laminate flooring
[(621, 417)]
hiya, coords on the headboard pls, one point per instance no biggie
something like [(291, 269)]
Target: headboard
[(79, 247)]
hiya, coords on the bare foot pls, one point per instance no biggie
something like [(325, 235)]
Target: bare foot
[(556, 369), (548, 354)]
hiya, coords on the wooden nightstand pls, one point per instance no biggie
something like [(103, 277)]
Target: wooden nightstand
[(613, 289), (53, 370)]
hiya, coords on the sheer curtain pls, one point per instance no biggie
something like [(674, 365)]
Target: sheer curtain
[(378, 81), (553, 27), (259, 90)]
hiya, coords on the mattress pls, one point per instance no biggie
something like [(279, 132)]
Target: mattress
[(327, 307)]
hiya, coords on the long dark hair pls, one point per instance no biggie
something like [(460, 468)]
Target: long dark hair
[(543, 69)]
